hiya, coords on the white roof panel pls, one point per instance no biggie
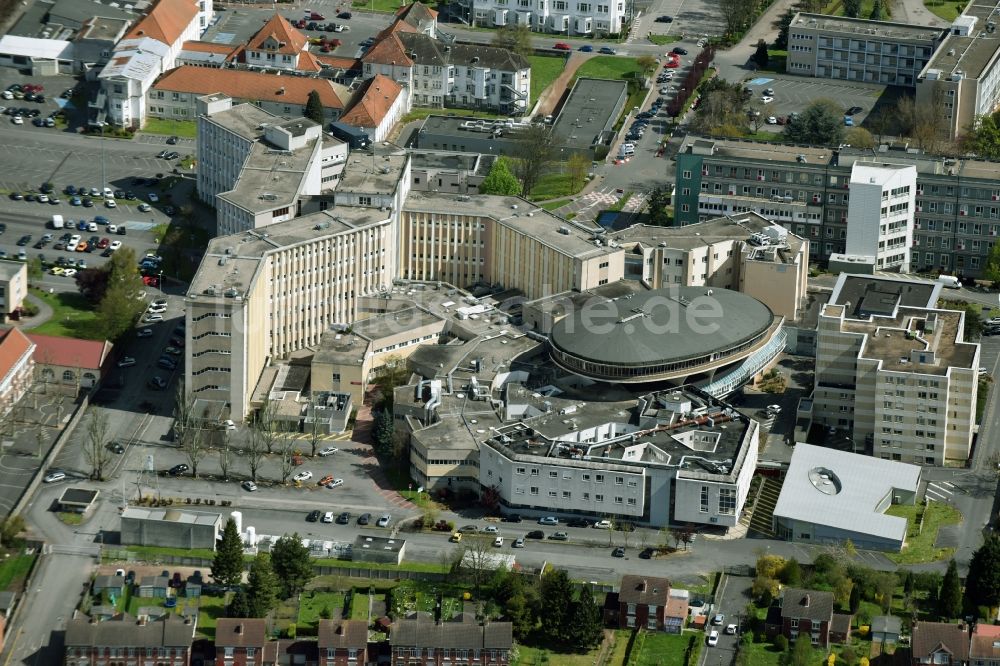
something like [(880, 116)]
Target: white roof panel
[(34, 47)]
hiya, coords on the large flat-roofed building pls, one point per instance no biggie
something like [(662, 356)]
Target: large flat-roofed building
[(258, 297), (464, 239), (807, 190), (830, 496), (176, 528), (896, 371), (467, 135), (853, 49), (589, 114)]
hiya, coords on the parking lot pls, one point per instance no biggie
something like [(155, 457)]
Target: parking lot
[(793, 94)]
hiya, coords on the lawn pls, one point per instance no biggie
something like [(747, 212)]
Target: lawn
[(552, 205), (617, 656), (184, 128), (544, 70), (379, 5), (920, 545), (533, 656), (311, 607), (72, 316), (420, 114), (14, 570), (553, 184), (663, 40), (949, 11), (661, 649), (154, 553), (607, 67), (427, 567), (210, 609), (763, 654)]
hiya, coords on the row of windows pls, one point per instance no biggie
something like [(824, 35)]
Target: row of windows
[(568, 475), (568, 495)]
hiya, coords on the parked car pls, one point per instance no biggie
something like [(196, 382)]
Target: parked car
[(52, 477), (664, 19), (313, 516), (618, 552), (677, 50), (303, 476), (535, 534), (607, 50), (518, 543), (586, 48), (344, 518), (383, 520), (560, 536), (364, 518), (249, 486), (328, 517), (178, 469), (562, 46), (713, 638), (548, 520), (328, 451)]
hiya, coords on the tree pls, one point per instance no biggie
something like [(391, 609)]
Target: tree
[(658, 201), (266, 423), (190, 436), (578, 167), (983, 138), (877, 11), (761, 56), (737, 15), (314, 423), (848, 655), (239, 606), (802, 652), (859, 137), (687, 535), (314, 108), (227, 566), (10, 529), (515, 38), (992, 270), (194, 448), (973, 328), (225, 456), (521, 616), (96, 449), (821, 123), (780, 643), (852, 8), (791, 573), (254, 452), (287, 456), (885, 586), (382, 432), (783, 23), (950, 598), (855, 599), (585, 627), (500, 180), (647, 64), (556, 594), (262, 586), (924, 122), (117, 313), (880, 122), (476, 558), (36, 268), (292, 564), (982, 584), (92, 283), (533, 150)]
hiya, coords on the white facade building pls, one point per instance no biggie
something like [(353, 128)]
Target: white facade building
[(880, 214), (570, 17)]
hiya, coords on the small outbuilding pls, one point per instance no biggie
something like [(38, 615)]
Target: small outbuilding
[(378, 549), (886, 629), (77, 500), (172, 528), (111, 584), (153, 587)]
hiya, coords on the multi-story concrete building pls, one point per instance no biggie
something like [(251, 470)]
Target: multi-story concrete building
[(880, 214), (569, 17), (896, 371), (852, 49), (13, 287), (456, 75), (807, 190)]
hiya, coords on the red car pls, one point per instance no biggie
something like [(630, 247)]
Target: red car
[(562, 46), (301, 24), (103, 243), (673, 64), (316, 16)]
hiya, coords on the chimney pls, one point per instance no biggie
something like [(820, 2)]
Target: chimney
[(239, 628), (805, 601), (340, 629), (642, 586)]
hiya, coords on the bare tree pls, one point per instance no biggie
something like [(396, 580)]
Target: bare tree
[(627, 528), (95, 448), (266, 424), (183, 413), (477, 559), (193, 446), (254, 452), (313, 424), (287, 459), (225, 455), (533, 151)]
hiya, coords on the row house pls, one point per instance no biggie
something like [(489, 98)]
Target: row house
[(462, 642), (124, 639), (343, 643), (941, 644)]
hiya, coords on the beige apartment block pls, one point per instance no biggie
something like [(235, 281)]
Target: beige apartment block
[(13, 287), (896, 371), (258, 298)]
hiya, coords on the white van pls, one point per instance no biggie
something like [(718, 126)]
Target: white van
[(949, 281), (627, 149), (57, 222)]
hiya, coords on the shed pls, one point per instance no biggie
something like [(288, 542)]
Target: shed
[(886, 628), (378, 549), (111, 584), (77, 500), (192, 587), (154, 587)]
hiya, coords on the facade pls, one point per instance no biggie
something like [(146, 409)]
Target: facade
[(807, 190), (441, 74), (279, 46), (13, 287), (886, 629), (123, 638), (70, 362), (445, 171), (568, 17), (240, 641), (807, 611), (343, 642), (895, 371), (939, 643), (985, 646), (880, 214), (378, 107), (170, 527), (642, 602), (381, 550), (854, 49), (830, 496), (462, 640), (16, 367)]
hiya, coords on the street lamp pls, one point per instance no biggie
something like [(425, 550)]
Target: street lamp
[(104, 178)]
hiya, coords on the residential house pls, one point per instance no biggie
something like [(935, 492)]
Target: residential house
[(284, 652), (806, 611), (240, 641), (125, 639), (378, 107), (343, 642), (16, 367), (175, 95), (278, 45), (642, 602), (462, 640), (840, 627), (940, 644), (13, 288), (985, 648), (886, 629), (420, 17), (454, 75), (559, 16), (676, 612), (153, 587), (70, 362)]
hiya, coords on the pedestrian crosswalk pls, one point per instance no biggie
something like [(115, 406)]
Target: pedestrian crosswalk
[(302, 436), (939, 491)]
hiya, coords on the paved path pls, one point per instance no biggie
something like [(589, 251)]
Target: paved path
[(44, 314), (549, 99)]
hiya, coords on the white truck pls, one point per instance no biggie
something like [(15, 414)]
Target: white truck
[(57, 222), (949, 281)]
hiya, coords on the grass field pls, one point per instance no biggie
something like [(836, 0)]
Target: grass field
[(544, 70), (607, 67), (554, 183), (763, 654), (663, 40), (920, 545), (72, 316), (660, 649), (184, 128), (378, 5), (949, 11), (14, 570), (420, 114), (533, 656), (311, 607)]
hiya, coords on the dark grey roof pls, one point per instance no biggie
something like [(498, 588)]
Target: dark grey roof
[(104, 582), (426, 50), (154, 581), (343, 634), (882, 624), (661, 326), (465, 634), (7, 599), (807, 604), (78, 496), (644, 590), (881, 296), (125, 631)]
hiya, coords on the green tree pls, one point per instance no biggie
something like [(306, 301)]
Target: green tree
[(533, 151), (262, 586), (227, 566), (791, 573), (780, 643), (855, 599), (314, 107), (556, 594), (585, 629), (500, 180), (983, 138), (973, 329), (10, 530), (577, 168), (239, 606), (292, 564), (516, 38), (982, 584), (877, 11), (122, 301), (852, 8), (35, 268), (383, 432), (783, 23), (802, 651), (761, 57), (821, 123), (647, 64), (950, 599), (859, 137), (659, 199), (992, 270)]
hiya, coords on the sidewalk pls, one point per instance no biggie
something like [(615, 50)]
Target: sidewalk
[(45, 313)]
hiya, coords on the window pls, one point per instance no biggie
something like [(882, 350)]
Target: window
[(599, 478), (68, 376), (727, 501), (598, 498), (704, 499), (553, 474), (619, 480)]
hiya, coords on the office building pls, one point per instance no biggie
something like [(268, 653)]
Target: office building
[(880, 214), (807, 190), (568, 17), (895, 371)]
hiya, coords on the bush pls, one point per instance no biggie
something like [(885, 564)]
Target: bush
[(781, 643)]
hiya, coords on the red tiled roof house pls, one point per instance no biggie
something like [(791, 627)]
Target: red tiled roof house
[(378, 107), (71, 362), (240, 641), (16, 367), (343, 643)]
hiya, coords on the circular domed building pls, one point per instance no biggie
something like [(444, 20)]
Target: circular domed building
[(676, 335)]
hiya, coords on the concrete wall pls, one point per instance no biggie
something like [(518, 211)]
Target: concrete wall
[(141, 532)]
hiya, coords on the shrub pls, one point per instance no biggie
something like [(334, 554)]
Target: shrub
[(780, 643)]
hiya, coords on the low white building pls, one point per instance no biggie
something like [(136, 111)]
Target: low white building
[(44, 57), (378, 107), (569, 17)]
